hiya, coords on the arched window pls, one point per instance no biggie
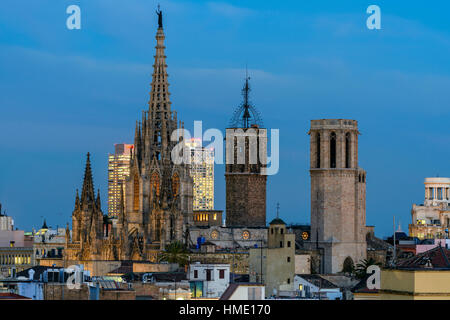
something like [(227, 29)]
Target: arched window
[(318, 151), (347, 150), (136, 192), (154, 184), (333, 150), (348, 266), (175, 184)]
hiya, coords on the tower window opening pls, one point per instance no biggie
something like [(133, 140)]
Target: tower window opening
[(318, 151), (347, 150), (333, 150), (136, 193)]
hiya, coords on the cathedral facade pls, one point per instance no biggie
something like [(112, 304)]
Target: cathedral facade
[(156, 206)]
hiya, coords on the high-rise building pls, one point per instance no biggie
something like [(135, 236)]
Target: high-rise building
[(118, 171), (6, 223), (202, 173), (338, 194)]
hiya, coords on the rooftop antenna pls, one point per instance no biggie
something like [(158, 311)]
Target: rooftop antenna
[(395, 251), (278, 210), (246, 116)]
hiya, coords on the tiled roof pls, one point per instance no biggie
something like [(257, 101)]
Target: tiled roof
[(318, 281), (38, 270), (436, 258), (122, 270), (12, 296), (157, 276), (229, 291), (361, 287)]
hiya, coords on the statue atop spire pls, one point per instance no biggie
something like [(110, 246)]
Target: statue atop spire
[(159, 13)]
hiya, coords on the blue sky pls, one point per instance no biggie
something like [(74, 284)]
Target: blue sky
[(66, 92)]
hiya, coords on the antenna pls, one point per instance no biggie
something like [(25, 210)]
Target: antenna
[(395, 251), (278, 210)]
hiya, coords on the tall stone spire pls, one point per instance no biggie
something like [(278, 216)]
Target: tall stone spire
[(159, 122), (87, 193), (97, 201), (159, 94), (77, 201)]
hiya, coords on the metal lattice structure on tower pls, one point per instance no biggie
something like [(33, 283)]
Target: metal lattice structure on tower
[(246, 115)]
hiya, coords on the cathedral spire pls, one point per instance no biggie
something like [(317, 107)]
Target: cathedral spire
[(159, 95), (77, 201), (87, 193), (97, 201)]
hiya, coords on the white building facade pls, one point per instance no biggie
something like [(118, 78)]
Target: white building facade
[(209, 280)]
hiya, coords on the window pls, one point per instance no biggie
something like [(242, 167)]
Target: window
[(347, 150), (214, 234), (333, 150), (136, 193), (289, 244), (281, 244), (430, 194), (154, 184), (271, 230), (175, 184), (289, 280), (439, 194), (208, 274), (195, 274), (281, 230), (221, 274), (318, 151), (288, 259)]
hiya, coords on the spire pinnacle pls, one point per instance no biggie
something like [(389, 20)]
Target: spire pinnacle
[(77, 201), (159, 95), (97, 201), (87, 193)]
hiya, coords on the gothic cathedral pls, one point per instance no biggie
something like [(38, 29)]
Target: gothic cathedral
[(157, 201)]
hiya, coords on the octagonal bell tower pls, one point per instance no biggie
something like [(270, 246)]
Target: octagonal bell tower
[(338, 193)]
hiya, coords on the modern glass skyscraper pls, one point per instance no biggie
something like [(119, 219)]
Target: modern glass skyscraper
[(118, 171), (202, 172)]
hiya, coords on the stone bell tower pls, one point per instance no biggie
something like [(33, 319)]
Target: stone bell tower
[(246, 157), (338, 193)]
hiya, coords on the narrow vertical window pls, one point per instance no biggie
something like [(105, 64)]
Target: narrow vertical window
[(136, 193), (333, 150), (175, 184), (318, 151), (347, 150)]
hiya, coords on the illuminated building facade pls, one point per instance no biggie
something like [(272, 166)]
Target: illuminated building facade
[(432, 218), (202, 172), (118, 171)]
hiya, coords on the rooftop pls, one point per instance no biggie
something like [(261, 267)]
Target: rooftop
[(437, 258)]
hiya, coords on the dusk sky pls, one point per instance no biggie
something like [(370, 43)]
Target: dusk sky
[(64, 93)]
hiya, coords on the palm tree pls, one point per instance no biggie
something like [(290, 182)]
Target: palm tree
[(361, 267), (175, 252)]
